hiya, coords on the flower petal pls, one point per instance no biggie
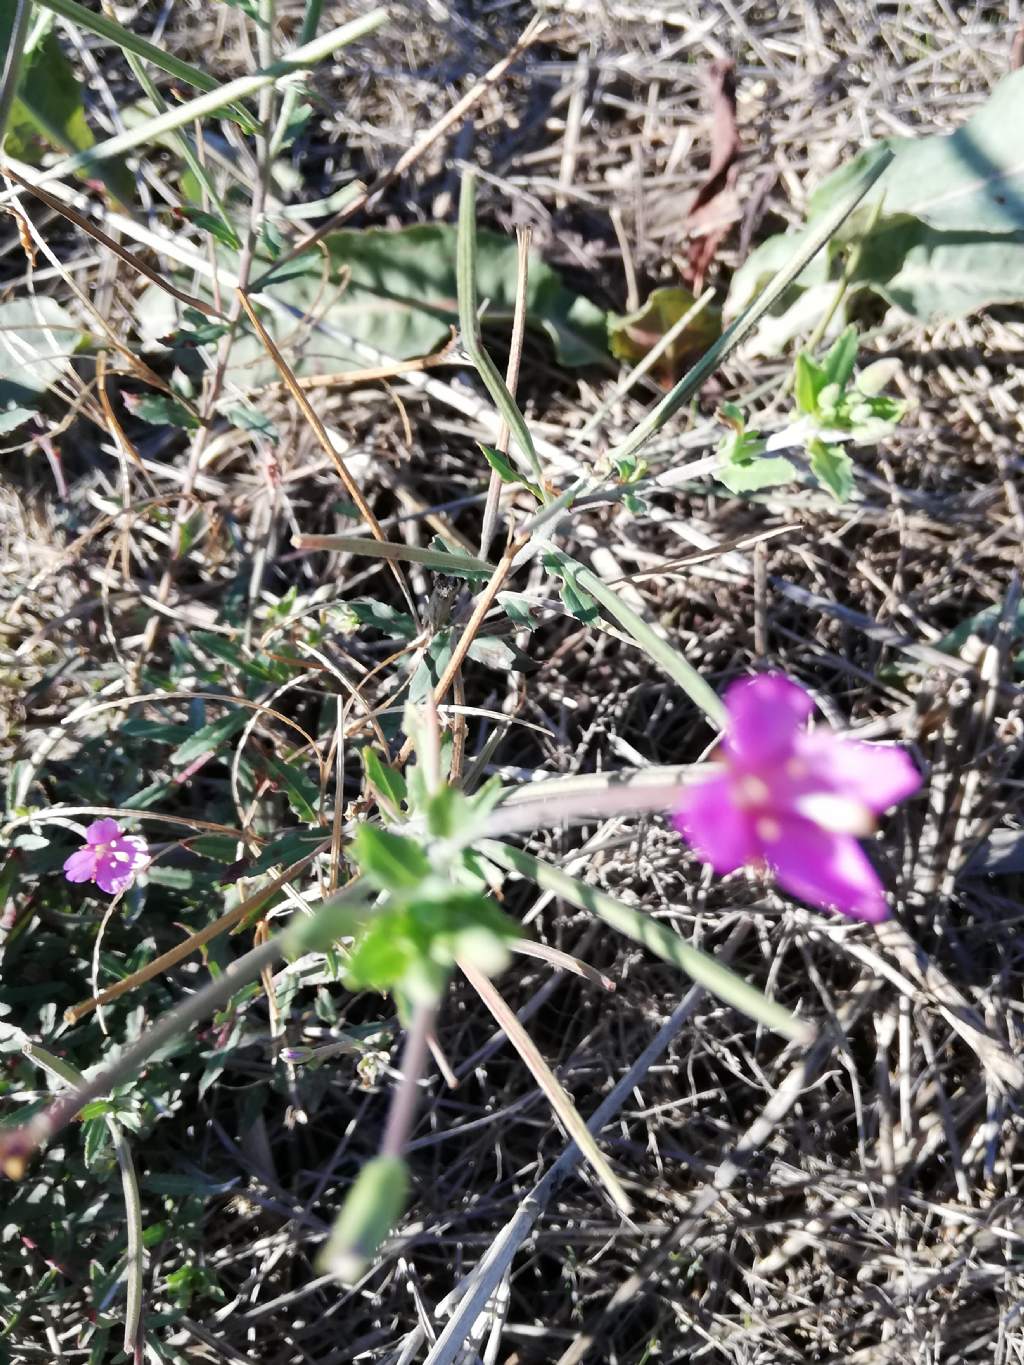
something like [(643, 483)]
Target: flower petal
[(720, 831), (830, 871), (114, 872), (765, 717), (102, 831), (132, 846), (81, 866), (879, 775)]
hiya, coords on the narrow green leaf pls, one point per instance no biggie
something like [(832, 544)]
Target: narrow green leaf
[(506, 471), (218, 228), (655, 647), (302, 792), (808, 381), (210, 737), (659, 938), (576, 600), (390, 861), (388, 783), (459, 565), (160, 409), (841, 357), (299, 59), (128, 41), (470, 327)]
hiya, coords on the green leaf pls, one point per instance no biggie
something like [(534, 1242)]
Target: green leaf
[(841, 357), (97, 1109), (302, 792), (384, 954), (832, 466), (494, 652), (653, 934), (507, 471), (519, 609), (933, 275), (260, 669), (37, 339), (199, 330), (222, 231), (388, 783), (411, 946), (656, 648), (161, 410), (437, 555), (210, 737), (632, 335), (13, 416), (751, 475), (97, 1139), (972, 179), (808, 381), (365, 612), (396, 290), (390, 861), (287, 849), (372, 1207), (49, 110), (576, 600), (876, 377), (119, 36), (222, 848), (246, 417)]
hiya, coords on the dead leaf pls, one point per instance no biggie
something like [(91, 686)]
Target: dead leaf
[(631, 336), (716, 205)]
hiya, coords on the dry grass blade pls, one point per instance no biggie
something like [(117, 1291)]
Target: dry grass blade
[(560, 1102)]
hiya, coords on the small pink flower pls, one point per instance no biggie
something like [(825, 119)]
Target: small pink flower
[(795, 801), (110, 859)]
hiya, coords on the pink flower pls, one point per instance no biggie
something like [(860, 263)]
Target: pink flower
[(795, 800), (109, 858)]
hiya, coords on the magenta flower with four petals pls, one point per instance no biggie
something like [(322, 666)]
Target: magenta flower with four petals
[(795, 801), (110, 859)]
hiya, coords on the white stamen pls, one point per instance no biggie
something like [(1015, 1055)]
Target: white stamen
[(838, 814)]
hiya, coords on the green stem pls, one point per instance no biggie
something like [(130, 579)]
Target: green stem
[(852, 262), (12, 64), (310, 24), (469, 325), (134, 1262)]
